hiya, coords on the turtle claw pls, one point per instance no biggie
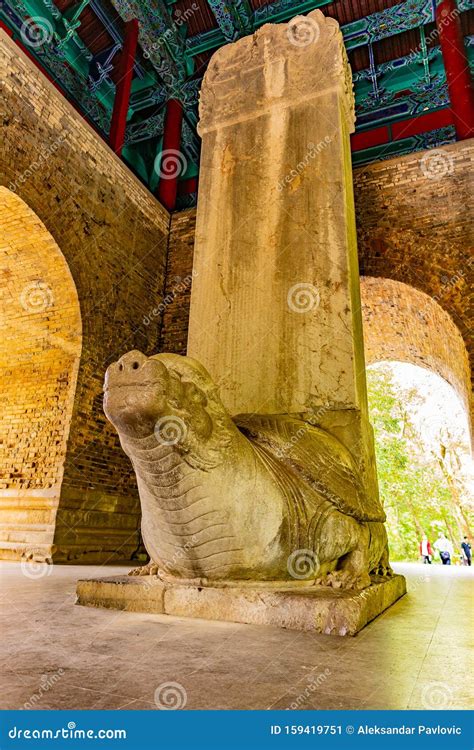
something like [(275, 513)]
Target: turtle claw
[(382, 571), (345, 579), (151, 569)]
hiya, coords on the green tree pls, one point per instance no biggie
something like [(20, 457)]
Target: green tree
[(422, 490)]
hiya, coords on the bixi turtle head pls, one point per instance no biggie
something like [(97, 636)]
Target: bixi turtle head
[(167, 395)]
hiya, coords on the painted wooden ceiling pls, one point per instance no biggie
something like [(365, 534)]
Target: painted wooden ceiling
[(393, 48)]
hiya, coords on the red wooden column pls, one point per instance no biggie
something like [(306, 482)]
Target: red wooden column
[(172, 160), (457, 68), (122, 90)]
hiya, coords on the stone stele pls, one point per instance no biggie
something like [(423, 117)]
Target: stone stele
[(255, 461)]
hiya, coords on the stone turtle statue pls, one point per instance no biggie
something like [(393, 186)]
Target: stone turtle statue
[(251, 498)]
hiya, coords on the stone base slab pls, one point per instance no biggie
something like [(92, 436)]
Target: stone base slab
[(319, 609)]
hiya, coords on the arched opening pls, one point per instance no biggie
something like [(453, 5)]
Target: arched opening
[(424, 464), (418, 387), (40, 348), (406, 325)]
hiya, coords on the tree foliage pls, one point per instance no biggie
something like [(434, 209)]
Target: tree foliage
[(423, 487)]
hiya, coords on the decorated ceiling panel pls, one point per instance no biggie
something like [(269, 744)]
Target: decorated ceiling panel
[(393, 48)]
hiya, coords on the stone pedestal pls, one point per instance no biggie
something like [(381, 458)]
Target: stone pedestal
[(294, 607)]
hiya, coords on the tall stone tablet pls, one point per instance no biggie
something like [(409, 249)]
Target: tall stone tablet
[(275, 308)]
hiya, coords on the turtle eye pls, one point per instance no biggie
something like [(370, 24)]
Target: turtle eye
[(195, 394)]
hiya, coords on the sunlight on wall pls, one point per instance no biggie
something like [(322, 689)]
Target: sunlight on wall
[(40, 346)]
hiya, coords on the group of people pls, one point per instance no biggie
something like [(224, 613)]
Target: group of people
[(445, 549)]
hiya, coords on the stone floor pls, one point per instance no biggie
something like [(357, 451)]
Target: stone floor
[(55, 654)]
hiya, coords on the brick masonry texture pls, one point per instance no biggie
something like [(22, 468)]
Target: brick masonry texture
[(39, 359), (414, 224), (403, 324), (177, 297), (103, 225)]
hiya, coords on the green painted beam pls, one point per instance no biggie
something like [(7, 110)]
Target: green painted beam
[(283, 10)]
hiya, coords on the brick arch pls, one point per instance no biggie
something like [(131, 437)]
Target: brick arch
[(403, 324), (40, 349), (415, 227), (113, 235)]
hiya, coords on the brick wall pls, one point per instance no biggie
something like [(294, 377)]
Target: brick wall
[(403, 324), (177, 296), (112, 235), (415, 222), (414, 225), (39, 357)]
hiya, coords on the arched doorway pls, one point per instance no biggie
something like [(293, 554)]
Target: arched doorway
[(419, 395), (424, 463), (403, 324), (40, 348)]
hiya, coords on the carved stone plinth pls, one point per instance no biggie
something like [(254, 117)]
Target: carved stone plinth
[(296, 607)]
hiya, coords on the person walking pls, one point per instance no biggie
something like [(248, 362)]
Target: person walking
[(467, 552), (444, 547), (426, 550)]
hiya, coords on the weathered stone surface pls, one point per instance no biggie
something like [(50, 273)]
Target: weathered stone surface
[(275, 306), (297, 608), (281, 65), (398, 201), (123, 592), (275, 313), (253, 498)]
